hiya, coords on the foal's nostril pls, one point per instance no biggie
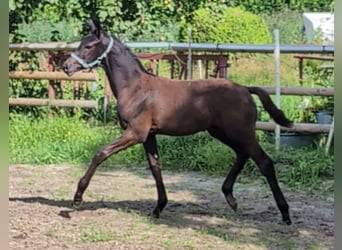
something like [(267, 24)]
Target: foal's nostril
[(65, 68)]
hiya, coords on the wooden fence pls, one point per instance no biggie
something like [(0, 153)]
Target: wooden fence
[(52, 102), (47, 75)]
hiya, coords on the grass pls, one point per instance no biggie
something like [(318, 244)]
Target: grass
[(52, 233), (167, 243), (60, 193), (93, 234), (61, 139), (224, 236)]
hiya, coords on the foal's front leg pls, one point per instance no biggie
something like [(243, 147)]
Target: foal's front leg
[(150, 146), (126, 140)]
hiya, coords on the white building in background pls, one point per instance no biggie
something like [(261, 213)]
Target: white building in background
[(319, 25)]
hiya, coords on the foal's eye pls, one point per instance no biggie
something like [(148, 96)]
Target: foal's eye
[(88, 46)]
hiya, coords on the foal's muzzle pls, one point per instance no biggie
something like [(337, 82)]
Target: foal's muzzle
[(70, 66)]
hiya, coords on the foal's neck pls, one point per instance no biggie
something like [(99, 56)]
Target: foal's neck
[(122, 69)]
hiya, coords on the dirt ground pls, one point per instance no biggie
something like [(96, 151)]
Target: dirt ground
[(115, 213)]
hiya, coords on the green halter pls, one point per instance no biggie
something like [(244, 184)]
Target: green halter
[(98, 60)]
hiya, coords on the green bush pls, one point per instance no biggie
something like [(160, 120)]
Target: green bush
[(260, 6), (226, 25)]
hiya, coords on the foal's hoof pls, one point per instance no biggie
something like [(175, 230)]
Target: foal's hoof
[(77, 204), (156, 213), (287, 221), (232, 202)]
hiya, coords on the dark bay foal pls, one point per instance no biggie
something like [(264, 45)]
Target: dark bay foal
[(150, 105)]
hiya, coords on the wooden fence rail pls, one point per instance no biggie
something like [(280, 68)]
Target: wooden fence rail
[(297, 127), (49, 75), (302, 91), (52, 102)]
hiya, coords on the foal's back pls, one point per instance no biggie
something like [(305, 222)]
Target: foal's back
[(185, 107)]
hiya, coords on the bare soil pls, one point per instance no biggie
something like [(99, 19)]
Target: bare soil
[(117, 203)]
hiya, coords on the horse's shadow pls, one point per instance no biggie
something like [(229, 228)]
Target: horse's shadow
[(141, 207), (67, 208), (144, 207)]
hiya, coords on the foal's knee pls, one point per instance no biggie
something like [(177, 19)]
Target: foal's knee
[(98, 157)]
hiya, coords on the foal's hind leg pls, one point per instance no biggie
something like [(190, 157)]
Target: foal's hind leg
[(150, 146), (265, 164), (241, 158), (227, 187)]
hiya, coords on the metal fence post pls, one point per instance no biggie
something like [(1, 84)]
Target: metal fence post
[(277, 82)]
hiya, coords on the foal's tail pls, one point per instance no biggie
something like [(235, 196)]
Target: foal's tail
[(277, 115)]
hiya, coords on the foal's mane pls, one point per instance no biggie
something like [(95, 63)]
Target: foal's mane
[(127, 50)]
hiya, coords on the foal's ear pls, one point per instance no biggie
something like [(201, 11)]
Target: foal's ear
[(95, 27)]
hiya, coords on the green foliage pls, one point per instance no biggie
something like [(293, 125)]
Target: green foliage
[(226, 25), (296, 109), (130, 20), (332, 6), (319, 76), (134, 20), (48, 30), (198, 152), (139, 19), (304, 168), (260, 6), (61, 139)]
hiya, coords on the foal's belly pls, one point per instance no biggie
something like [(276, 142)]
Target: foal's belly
[(180, 126), (179, 131)]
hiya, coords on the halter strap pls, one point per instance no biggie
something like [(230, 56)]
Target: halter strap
[(98, 60)]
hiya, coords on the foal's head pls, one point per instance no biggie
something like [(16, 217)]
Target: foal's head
[(92, 50)]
